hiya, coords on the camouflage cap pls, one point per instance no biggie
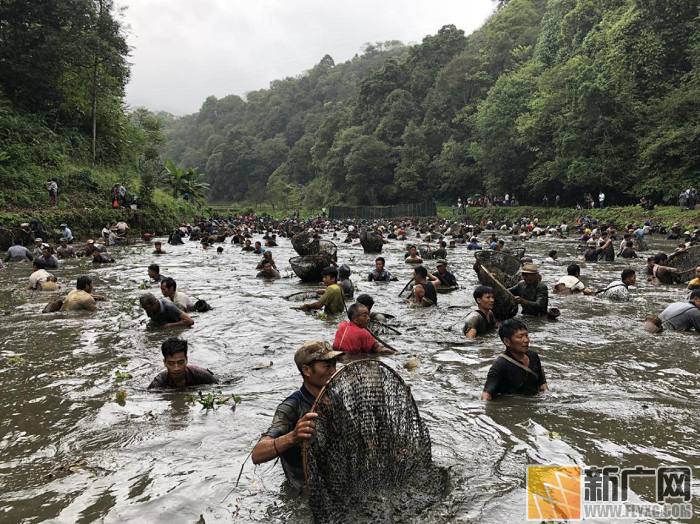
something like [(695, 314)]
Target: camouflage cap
[(314, 350)]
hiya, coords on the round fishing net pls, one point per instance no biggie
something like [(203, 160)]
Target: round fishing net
[(371, 242), (499, 270), (309, 268), (686, 262), (424, 251), (370, 460), (517, 252)]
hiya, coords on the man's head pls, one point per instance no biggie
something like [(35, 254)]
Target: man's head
[(38, 241), (441, 266), (412, 250), (697, 272), (258, 245), (158, 244), (267, 267), (46, 251), (315, 361), (330, 275), (359, 314), (573, 270), (483, 295), (514, 334), (84, 283), (629, 244), (175, 356), (530, 273), (247, 242), (553, 254), (96, 253), (628, 276), (39, 264), (366, 300), (694, 298), (651, 260), (420, 274), (154, 271), (150, 303), (168, 287), (661, 259), (64, 242), (344, 271), (63, 226), (379, 262)]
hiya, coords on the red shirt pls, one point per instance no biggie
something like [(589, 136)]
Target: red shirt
[(352, 339)]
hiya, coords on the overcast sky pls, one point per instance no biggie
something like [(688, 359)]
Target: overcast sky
[(186, 50)]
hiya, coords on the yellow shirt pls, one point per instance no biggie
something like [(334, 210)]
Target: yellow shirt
[(694, 284), (78, 299), (333, 300)]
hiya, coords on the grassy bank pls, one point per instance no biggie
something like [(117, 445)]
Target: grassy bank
[(620, 216), (84, 202)]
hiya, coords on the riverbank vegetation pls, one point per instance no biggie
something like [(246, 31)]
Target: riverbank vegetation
[(63, 69), (548, 97)]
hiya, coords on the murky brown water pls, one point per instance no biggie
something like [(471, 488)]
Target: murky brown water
[(619, 397)]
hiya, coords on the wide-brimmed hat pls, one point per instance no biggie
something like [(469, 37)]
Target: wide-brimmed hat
[(529, 269), (314, 350), (344, 271)]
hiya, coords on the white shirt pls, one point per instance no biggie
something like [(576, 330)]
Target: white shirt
[(572, 282), (183, 302), (601, 196), (38, 277)]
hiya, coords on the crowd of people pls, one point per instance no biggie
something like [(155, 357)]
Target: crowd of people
[(517, 370)]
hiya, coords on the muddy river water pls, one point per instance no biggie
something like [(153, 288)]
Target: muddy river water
[(619, 396)]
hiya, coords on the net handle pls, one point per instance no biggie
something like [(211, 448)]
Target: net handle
[(305, 444)]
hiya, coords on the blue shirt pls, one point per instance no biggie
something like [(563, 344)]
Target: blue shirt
[(66, 233)]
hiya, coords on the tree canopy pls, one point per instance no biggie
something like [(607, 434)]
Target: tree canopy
[(547, 97)]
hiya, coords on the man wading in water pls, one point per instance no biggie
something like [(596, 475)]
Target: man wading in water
[(424, 293), (482, 320), (682, 316), (292, 423), (530, 292), (332, 299), (178, 373), (517, 370)]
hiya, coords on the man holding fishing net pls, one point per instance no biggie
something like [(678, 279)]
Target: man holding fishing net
[(292, 423)]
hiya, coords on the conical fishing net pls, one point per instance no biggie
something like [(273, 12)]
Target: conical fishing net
[(371, 242), (498, 270), (309, 268), (686, 262), (370, 460)]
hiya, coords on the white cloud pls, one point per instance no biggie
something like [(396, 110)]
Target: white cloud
[(186, 50)]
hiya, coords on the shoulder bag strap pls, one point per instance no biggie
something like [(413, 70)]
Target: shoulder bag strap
[(521, 366)]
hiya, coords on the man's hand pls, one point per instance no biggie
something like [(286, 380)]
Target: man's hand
[(305, 428), (521, 300)]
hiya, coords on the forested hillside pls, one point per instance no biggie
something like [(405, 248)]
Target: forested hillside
[(63, 70), (548, 97)]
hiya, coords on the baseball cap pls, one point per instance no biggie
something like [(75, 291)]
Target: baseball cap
[(37, 239), (314, 350), (441, 262), (91, 241)]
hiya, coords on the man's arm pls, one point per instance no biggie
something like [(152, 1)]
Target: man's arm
[(185, 320), (471, 333), (315, 305), (269, 448)]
